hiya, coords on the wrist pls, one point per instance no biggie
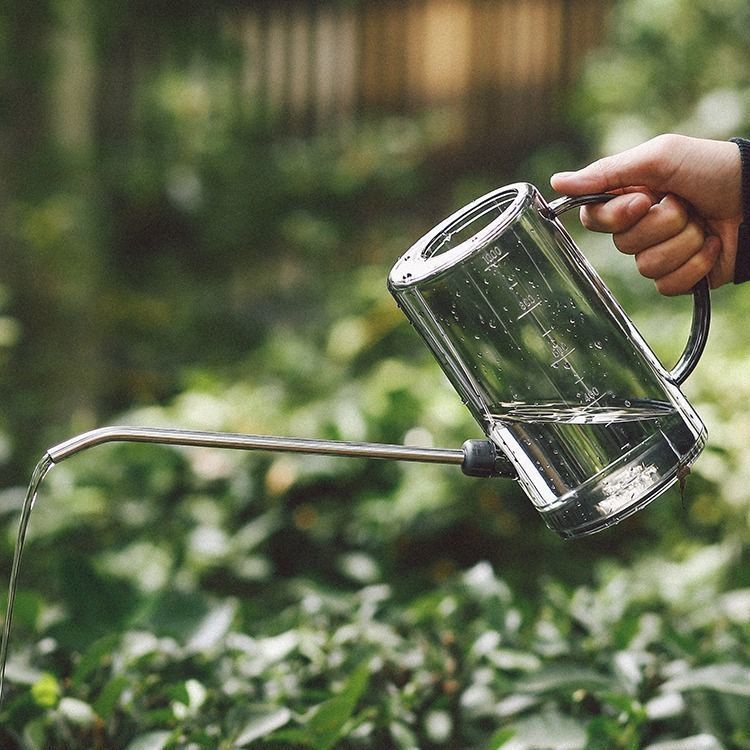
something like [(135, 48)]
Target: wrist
[(742, 257)]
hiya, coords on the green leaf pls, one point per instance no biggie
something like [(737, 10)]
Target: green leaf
[(327, 720), (294, 736), (98, 604), (500, 737), (150, 741), (176, 613), (106, 703), (93, 657), (731, 678), (77, 712), (34, 734), (213, 627), (267, 720), (718, 696), (26, 608), (550, 730), (563, 678), (696, 742)]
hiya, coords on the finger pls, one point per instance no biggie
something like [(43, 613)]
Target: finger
[(665, 257), (690, 273), (650, 163), (616, 215), (665, 219)]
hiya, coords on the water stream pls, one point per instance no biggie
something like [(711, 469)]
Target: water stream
[(36, 479)]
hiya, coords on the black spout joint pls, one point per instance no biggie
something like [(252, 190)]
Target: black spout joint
[(482, 459)]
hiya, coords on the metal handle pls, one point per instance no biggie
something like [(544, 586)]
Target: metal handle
[(701, 320), (476, 457)]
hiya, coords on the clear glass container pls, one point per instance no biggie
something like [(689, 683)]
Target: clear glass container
[(547, 361)]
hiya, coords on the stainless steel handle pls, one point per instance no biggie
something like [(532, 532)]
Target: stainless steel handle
[(701, 320)]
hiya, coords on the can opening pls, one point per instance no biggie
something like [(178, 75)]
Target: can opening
[(470, 224), (457, 237)]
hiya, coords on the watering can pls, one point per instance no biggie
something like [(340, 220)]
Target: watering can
[(548, 363), (573, 403)]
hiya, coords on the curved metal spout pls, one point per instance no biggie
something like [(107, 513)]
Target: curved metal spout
[(468, 458)]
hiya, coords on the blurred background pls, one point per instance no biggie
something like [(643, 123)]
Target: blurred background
[(199, 206)]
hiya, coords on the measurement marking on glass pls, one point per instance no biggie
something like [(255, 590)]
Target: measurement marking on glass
[(526, 312), (596, 400), (564, 356), (495, 261)]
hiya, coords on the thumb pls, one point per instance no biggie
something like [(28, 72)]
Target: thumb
[(647, 165)]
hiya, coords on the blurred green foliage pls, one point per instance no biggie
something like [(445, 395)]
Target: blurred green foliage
[(202, 273), (671, 66)]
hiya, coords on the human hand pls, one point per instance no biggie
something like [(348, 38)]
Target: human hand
[(678, 207)]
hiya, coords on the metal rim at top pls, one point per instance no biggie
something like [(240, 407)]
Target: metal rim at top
[(428, 256)]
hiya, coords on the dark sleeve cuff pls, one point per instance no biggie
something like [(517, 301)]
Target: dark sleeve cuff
[(742, 260)]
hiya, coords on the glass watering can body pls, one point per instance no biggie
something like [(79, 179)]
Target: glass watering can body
[(547, 361)]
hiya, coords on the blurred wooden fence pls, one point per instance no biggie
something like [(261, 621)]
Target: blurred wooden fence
[(497, 67)]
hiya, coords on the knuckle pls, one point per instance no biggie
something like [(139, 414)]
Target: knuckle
[(661, 152), (674, 217), (646, 265), (694, 234), (623, 245), (665, 141)]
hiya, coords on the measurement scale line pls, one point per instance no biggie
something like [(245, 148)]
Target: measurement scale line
[(508, 332), (564, 356), (526, 312), (595, 401), (494, 262)]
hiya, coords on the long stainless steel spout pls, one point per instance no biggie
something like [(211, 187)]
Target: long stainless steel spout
[(476, 457), (196, 438)]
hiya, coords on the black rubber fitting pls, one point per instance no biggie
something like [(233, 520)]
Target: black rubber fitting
[(482, 459)]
